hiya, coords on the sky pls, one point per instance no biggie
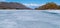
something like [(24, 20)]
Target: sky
[(33, 3)]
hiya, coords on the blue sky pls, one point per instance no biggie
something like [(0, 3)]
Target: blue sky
[(33, 3)]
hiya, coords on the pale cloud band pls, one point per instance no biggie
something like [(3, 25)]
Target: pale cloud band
[(32, 4)]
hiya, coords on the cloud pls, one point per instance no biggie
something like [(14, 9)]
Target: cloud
[(32, 4)]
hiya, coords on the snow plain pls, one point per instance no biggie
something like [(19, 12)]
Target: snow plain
[(29, 18)]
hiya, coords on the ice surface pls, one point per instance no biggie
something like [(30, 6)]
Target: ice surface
[(29, 19)]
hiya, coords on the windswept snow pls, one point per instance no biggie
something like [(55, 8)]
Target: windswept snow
[(29, 19)]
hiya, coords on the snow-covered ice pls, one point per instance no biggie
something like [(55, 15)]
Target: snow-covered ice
[(29, 18)]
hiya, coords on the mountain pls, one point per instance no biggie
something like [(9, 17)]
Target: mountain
[(12, 5), (58, 7), (48, 6)]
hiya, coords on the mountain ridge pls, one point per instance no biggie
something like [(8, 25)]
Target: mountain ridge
[(49, 6), (12, 5)]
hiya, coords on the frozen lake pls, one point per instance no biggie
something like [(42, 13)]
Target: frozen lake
[(29, 18)]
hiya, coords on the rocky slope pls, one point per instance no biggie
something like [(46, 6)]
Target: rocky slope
[(50, 6), (12, 5)]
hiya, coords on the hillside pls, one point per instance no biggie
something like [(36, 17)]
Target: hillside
[(50, 6), (12, 5)]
